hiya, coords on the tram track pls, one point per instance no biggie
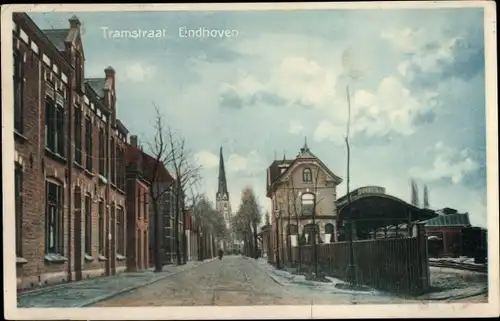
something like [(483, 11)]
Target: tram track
[(459, 266)]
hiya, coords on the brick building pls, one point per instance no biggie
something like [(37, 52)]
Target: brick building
[(69, 160), (192, 238), (137, 209)]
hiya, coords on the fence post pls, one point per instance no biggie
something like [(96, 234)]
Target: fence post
[(424, 256)]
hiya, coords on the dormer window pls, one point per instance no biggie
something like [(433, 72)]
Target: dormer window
[(307, 175)]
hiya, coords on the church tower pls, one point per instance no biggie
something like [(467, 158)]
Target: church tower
[(222, 204)]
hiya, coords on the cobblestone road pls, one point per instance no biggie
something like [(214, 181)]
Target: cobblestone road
[(232, 281)]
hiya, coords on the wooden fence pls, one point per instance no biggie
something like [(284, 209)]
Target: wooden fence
[(395, 265)]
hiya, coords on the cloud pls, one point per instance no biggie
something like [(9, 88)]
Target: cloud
[(434, 55), (296, 81), (295, 127), (206, 159), (448, 164), (137, 72), (245, 164), (391, 108), (405, 40)]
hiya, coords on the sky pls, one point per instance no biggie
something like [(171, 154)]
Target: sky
[(415, 77)]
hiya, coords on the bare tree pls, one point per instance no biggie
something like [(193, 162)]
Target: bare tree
[(247, 218), (426, 197), (187, 174), (294, 206), (267, 218), (415, 200), (210, 221), (162, 154)]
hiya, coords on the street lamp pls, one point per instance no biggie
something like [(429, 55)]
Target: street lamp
[(309, 202), (277, 213)]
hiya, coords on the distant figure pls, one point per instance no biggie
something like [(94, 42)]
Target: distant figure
[(221, 252)]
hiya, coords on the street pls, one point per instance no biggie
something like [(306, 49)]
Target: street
[(234, 281)]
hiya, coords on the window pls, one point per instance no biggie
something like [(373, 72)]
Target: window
[(88, 225), (18, 176), (78, 135), (88, 143), (78, 72), (18, 92), (101, 227), (113, 161), (54, 218), (54, 127), (145, 212), (307, 175), (102, 156), (121, 168), (307, 204), (120, 225)]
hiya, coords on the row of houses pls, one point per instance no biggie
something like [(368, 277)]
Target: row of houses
[(82, 207)]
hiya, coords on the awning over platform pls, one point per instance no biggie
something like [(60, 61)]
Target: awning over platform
[(372, 209)]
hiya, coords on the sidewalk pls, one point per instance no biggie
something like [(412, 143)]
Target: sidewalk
[(87, 292), (287, 279)]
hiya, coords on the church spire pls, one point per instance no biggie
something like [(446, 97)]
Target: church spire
[(222, 178)]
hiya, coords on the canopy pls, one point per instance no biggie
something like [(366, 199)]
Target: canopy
[(375, 210)]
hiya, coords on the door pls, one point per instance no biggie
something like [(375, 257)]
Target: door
[(112, 256), (78, 234)]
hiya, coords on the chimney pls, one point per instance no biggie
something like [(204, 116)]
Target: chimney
[(74, 22), (134, 140)]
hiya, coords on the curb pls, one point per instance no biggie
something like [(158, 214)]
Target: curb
[(134, 287), (270, 275)]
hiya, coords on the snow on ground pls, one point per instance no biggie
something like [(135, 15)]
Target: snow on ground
[(447, 284), (448, 278), (462, 259)]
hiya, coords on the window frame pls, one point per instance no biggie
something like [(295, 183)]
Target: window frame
[(101, 227), (307, 175), (18, 87), (54, 127), (55, 203), (18, 187), (120, 226), (88, 144), (78, 135), (102, 153), (88, 225)]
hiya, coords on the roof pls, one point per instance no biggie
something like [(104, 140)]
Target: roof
[(374, 210), (57, 37), (275, 172), (222, 190), (97, 85), (133, 155), (449, 220), (121, 127)]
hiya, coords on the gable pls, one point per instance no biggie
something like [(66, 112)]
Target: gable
[(301, 163)]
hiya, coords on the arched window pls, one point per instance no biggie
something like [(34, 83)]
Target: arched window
[(307, 175), (291, 229), (309, 232), (329, 229)]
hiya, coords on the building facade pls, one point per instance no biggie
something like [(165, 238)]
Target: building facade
[(67, 189), (192, 238), (288, 183), (137, 188)]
